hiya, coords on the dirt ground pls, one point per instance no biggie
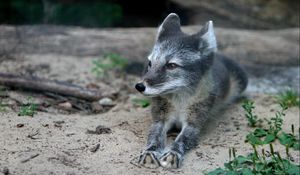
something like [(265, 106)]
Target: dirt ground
[(55, 142)]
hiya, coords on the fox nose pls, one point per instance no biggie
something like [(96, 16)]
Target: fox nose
[(140, 87)]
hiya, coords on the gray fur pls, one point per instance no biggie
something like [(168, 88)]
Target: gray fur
[(184, 97)]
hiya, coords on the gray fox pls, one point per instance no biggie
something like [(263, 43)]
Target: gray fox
[(187, 83)]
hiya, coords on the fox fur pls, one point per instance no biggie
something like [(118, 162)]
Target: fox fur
[(188, 82)]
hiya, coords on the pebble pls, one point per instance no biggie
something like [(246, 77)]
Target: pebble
[(106, 102), (66, 105), (96, 107)]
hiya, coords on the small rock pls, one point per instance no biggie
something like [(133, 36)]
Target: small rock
[(100, 130), (103, 130), (58, 124), (199, 154), (66, 105), (68, 134), (20, 125), (106, 102), (95, 148), (96, 107), (45, 125)]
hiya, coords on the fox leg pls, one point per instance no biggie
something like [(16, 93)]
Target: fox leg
[(186, 140), (155, 145)]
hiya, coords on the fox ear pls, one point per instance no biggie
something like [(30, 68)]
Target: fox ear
[(169, 27), (208, 42)]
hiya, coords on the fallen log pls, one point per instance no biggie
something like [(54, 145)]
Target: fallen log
[(45, 85)]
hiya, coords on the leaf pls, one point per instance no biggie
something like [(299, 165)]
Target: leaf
[(229, 166), (241, 159), (293, 169), (218, 171), (286, 139), (231, 173), (259, 167), (259, 132), (296, 145), (246, 171), (269, 138), (253, 139)]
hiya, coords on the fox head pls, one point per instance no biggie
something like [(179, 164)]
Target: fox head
[(177, 61)]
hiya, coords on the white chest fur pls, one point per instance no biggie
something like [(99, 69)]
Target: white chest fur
[(178, 115)]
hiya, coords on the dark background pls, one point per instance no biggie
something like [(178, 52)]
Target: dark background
[(251, 14)]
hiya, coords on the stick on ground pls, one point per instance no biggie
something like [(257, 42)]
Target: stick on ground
[(44, 85)]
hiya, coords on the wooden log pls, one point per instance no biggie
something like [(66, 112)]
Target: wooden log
[(45, 85)]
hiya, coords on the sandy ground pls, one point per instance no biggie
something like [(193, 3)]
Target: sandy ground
[(62, 145)]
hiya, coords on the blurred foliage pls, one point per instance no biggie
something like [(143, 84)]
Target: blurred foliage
[(2, 107), (289, 98), (108, 62), (28, 109), (141, 102), (97, 13)]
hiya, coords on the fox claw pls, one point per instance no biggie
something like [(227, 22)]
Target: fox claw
[(149, 159), (171, 159)]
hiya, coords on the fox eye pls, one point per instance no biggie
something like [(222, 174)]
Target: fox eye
[(149, 64), (171, 66)]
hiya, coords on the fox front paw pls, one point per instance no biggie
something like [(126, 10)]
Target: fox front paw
[(149, 159), (170, 160)]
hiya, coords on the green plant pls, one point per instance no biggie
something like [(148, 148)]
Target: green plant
[(261, 163), (108, 62), (28, 109), (252, 118), (2, 107), (289, 98), (275, 123), (258, 163), (141, 102)]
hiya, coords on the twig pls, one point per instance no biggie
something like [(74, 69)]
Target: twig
[(31, 136), (30, 157), (38, 84)]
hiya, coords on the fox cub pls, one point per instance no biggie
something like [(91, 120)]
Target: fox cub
[(187, 83)]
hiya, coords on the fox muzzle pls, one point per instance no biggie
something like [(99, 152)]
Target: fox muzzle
[(140, 87)]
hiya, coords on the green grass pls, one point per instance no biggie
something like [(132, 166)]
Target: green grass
[(141, 102), (28, 109), (289, 98), (107, 63), (265, 162)]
